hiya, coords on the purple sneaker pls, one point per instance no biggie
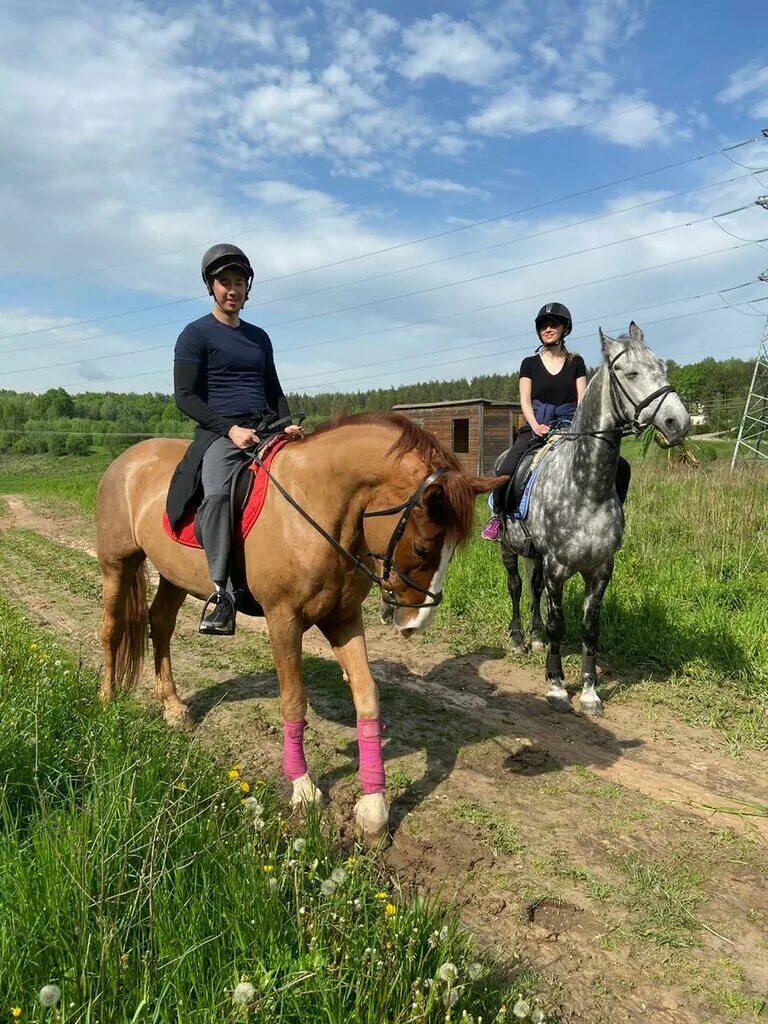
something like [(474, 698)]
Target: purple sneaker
[(493, 528)]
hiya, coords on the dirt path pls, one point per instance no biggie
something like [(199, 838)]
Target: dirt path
[(592, 848)]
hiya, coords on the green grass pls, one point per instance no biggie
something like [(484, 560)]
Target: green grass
[(686, 604), (665, 899), (58, 479), (133, 877), (495, 830)]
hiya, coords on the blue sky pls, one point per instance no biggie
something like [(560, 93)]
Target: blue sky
[(327, 140)]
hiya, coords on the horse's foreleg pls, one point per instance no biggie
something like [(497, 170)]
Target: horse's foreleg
[(285, 633), (535, 572), (554, 581), (348, 642), (162, 622), (594, 589), (515, 588)]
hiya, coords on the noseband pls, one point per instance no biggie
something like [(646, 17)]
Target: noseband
[(388, 558), (618, 391)]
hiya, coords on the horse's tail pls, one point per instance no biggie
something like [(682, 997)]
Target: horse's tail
[(130, 654)]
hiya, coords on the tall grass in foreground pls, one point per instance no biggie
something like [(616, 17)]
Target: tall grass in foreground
[(687, 600), (149, 885)]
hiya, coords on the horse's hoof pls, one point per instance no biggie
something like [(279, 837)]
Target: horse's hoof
[(372, 821), (179, 718), (558, 699), (306, 794), (537, 645), (518, 646), (591, 708)]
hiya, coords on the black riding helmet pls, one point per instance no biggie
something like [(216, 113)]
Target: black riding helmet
[(555, 311), (220, 257)]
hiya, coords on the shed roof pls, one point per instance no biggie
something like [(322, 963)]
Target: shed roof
[(457, 401)]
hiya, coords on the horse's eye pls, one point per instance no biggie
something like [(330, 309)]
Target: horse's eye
[(631, 374), (420, 552)]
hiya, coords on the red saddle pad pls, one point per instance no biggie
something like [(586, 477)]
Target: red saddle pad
[(185, 533)]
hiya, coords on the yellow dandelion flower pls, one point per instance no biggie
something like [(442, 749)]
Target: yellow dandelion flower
[(123, 959), (244, 978), (268, 868), (233, 774), (181, 785), (351, 861), (260, 782), (32, 647), (245, 787), (390, 910), (381, 896), (15, 1011)]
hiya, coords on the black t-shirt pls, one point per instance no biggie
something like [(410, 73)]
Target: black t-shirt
[(235, 365), (553, 388)]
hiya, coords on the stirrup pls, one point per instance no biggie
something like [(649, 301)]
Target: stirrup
[(223, 624)]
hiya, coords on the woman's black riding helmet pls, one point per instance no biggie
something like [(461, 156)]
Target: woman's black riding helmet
[(555, 311), (220, 257)]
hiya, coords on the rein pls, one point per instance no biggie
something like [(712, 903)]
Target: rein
[(388, 558)]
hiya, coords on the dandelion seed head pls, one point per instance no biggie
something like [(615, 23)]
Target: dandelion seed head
[(244, 993), (537, 1015), (252, 804), (49, 995), (338, 875), (475, 971), (521, 1009), (451, 997), (447, 972), (272, 884), (328, 887), (299, 844), (444, 933)]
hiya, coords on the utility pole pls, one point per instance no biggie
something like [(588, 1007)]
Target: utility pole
[(750, 443)]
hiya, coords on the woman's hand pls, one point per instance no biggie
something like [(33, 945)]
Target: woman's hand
[(540, 430), (293, 430), (243, 437)]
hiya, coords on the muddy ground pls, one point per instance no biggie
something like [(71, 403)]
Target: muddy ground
[(594, 851)]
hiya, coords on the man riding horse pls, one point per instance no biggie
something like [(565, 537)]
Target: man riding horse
[(224, 379)]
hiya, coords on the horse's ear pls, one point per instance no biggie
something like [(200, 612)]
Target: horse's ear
[(604, 339), (635, 333), (483, 484)]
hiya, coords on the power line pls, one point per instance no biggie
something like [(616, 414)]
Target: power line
[(416, 241), (374, 302)]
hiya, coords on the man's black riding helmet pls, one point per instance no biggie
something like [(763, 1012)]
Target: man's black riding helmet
[(221, 256), (555, 311)]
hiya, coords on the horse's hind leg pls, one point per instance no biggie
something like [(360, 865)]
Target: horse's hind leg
[(285, 636), (123, 621), (348, 642), (554, 581), (515, 588), (594, 589), (535, 572), (162, 622)]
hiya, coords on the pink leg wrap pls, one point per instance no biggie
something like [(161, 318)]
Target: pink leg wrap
[(371, 771), (294, 762)]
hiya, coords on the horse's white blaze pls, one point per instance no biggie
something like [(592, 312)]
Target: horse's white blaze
[(371, 814), (423, 615), (305, 792)]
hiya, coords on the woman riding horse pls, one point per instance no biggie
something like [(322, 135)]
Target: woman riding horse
[(552, 384), (224, 379)]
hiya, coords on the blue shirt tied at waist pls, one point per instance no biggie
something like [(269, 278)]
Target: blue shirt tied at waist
[(546, 412)]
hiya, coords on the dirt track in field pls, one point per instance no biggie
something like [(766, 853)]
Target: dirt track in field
[(592, 849)]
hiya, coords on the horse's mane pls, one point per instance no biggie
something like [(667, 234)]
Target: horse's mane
[(455, 512)]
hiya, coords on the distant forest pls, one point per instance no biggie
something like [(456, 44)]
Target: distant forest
[(65, 424)]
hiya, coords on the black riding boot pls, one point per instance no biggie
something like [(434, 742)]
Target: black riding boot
[(220, 621)]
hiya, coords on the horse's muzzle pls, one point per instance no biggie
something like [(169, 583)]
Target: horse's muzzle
[(672, 420)]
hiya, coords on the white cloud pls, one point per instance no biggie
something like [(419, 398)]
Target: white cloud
[(452, 49), (748, 83), (521, 111), (635, 123), (413, 185)]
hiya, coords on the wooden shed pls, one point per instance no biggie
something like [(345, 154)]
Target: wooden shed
[(476, 429)]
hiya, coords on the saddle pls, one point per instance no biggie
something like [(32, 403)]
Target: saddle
[(521, 481), (248, 491)]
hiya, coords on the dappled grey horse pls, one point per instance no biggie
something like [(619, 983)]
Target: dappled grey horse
[(575, 519)]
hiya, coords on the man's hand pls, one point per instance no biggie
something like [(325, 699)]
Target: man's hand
[(293, 431), (243, 437), (540, 429)]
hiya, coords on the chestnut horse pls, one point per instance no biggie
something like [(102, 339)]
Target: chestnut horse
[(394, 503)]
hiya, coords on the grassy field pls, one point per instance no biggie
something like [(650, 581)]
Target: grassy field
[(170, 888), (685, 616)]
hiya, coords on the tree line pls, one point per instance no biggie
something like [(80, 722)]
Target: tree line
[(64, 424)]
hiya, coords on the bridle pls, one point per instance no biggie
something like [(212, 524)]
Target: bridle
[(388, 558), (618, 395), (618, 391)]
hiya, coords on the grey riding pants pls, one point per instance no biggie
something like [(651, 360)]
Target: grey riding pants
[(220, 463)]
